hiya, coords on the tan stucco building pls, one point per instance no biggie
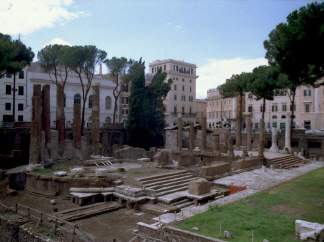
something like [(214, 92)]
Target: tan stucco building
[(181, 99), (201, 110)]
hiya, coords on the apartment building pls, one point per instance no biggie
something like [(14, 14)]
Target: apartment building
[(33, 74), (201, 110), (220, 109), (308, 109), (181, 99)]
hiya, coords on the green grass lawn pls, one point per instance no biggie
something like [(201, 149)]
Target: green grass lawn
[(270, 214)]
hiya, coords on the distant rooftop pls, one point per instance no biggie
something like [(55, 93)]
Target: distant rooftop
[(180, 62)]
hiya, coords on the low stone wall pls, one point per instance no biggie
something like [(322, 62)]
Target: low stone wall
[(246, 163), (13, 231), (171, 234), (186, 160), (132, 153), (51, 186), (215, 169)]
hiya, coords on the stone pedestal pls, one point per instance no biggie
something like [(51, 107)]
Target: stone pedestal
[(274, 146), (203, 134), (46, 119), (179, 133), (192, 137), (199, 186), (216, 141)]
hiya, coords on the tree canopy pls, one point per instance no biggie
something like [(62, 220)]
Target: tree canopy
[(146, 110)]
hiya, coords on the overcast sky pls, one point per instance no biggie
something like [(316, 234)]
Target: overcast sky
[(221, 37)]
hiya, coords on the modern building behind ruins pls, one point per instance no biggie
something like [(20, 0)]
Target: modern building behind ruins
[(33, 74), (181, 99)]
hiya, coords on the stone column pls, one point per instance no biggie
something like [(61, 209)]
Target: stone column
[(179, 133), (36, 126), (60, 117), (261, 139), (248, 132), (77, 125), (226, 139), (95, 129), (274, 146), (287, 133), (230, 147), (192, 137), (216, 141), (203, 134), (46, 119)]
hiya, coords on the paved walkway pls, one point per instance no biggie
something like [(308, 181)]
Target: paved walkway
[(256, 181)]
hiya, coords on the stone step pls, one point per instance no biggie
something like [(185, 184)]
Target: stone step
[(231, 173), (143, 179), (167, 184), (184, 205), (183, 188), (165, 188), (179, 202), (165, 178), (159, 208), (168, 180)]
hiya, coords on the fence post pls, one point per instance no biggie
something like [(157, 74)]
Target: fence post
[(41, 219), (74, 227), (55, 226)]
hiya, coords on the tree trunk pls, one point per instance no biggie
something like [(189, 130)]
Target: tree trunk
[(114, 117)]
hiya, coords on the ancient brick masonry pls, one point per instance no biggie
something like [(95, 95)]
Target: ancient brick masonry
[(180, 133), (36, 126), (46, 119), (60, 117), (95, 130)]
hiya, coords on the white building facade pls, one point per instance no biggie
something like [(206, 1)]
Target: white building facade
[(33, 74)]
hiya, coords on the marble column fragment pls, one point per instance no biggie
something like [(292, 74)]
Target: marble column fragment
[(77, 126), (60, 117), (179, 133), (192, 137), (95, 129), (203, 133), (46, 119), (288, 133), (248, 133), (36, 126), (274, 146)]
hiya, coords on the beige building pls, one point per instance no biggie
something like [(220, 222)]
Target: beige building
[(201, 110), (181, 99), (219, 108), (308, 109)]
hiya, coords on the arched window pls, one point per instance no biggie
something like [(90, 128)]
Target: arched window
[(90, 101), (283, 116), (108, 102), (108, 119), (77, 98), (274, 117)]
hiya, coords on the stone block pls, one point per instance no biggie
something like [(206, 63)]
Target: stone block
[(101, 172), (306, 231), (144, 159), (216, 169), (77, 171), (186, 160), (60, 173), (121, 188), (134, 192), (199, 186)]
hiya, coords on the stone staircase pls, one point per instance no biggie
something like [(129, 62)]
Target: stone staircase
[(286, 162), (167, 183)]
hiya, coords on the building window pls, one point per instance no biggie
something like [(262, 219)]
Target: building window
[(314, 144), (125, 100), (183, 98), (274, 108), (175, 111), (250, 95), (183, 110), (108, 119), (175, 97), (262, 108), (175, 87), (20, 107), (307, 124), (125, 88), (282, 125), (183, 79), (190, 80), (183, 88), (108, 102), (307, 107), (175, 68), (307, 93), (8, 89), (90, 102), (284, 107), (164, 67), (250, 109), (21, 75), (21, 90), (20, 118), (274, 117), (8, 106), (274, 124), (291, 107), (190, 89), (8, 75), (77, 98)]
